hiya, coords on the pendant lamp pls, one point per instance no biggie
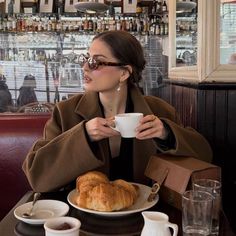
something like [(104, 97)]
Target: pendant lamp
[(185, 6), (91, 7)]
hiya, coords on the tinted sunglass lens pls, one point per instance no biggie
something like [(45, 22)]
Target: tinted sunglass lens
[(92, 64)]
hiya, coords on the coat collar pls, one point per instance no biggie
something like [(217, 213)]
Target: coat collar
[(88, 106)]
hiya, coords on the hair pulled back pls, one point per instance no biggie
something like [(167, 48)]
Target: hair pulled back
[(127, 49)]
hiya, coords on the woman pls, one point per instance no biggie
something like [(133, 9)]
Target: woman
[(78, 137), (6, 102), (27, 94)]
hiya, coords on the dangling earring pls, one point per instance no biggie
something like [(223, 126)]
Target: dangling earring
[(118, 89)]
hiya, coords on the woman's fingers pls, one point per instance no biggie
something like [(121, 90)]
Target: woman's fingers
[(150, 127), (100, 128)]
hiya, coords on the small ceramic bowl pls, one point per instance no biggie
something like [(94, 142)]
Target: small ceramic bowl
[(62, 226)]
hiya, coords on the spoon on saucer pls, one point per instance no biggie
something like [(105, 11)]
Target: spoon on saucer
[(30, 212)]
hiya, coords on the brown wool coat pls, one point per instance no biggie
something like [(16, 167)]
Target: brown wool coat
[(64, 152)]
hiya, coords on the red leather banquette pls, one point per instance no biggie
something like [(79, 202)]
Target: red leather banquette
[(17, 134)]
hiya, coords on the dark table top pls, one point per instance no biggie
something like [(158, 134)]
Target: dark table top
[(95, 225)]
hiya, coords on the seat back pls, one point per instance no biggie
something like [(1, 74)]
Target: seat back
[(37, 107), (18, 132)]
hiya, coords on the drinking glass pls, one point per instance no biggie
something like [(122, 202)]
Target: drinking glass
[(214, 188), (196, 213)]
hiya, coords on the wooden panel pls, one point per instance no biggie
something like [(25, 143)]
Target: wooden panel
[(231, 128), (211, 109), (221, 111)]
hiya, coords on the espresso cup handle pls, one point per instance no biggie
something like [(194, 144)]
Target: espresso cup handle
[(115, 128), (174, 227)]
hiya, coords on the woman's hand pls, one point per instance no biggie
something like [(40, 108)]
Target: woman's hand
[(100, 128), (151, 127)]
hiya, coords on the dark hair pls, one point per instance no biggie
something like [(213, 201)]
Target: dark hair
[(27, 94), (5, 96), (127, 49), (29, 81)]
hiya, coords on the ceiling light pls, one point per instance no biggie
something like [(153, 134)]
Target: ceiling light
[(91, 7)]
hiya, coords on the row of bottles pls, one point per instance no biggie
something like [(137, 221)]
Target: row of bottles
[(154, 25), (156, 7), (159, 7), (25, 55)]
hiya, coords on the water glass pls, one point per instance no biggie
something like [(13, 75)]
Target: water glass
[(196, 213), (213, 187)]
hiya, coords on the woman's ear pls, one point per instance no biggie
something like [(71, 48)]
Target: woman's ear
[(126, 72)]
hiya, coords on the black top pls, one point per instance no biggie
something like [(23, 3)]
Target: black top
[(121, 167)]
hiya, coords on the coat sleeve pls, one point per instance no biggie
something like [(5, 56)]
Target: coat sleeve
[(62, 162), (188, 142)]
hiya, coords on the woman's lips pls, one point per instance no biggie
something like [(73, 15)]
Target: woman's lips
[(87, 79)]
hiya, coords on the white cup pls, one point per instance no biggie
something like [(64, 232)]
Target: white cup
[(126, 123), (62, 226)]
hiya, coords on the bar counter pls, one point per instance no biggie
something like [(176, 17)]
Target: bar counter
[(95, 225)]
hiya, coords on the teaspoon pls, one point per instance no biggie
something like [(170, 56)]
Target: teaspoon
[(30, 212)]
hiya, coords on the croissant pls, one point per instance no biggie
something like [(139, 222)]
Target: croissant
[(89, 180), (98, 193)]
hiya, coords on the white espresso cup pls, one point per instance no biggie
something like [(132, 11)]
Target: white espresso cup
[(126, 123), (66, 226)]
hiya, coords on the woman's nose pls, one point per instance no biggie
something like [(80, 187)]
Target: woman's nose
[(85, 66)]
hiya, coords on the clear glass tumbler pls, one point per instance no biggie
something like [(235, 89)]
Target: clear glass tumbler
[(214, 188), (196, 213)]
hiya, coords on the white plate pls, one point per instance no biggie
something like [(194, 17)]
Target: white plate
[(43, 210), (141, 203)]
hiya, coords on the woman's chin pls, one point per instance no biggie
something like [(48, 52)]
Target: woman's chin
[(88, 87)]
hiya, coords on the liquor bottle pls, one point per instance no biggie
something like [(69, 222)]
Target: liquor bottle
[(54, 24), (162, 28), (139, 7), (86, 24), (123, 24), (127, 24), (111, 9), (14, 22), (154, 6), (118, 24), (159, 6), (99, 25), (10, 7), (49, 24), (166, 22), (90, 24), (35, 7), (60, 8), (164, 6), (157, 28), (1, 23)]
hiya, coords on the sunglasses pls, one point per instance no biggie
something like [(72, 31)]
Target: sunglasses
[(94, 63)]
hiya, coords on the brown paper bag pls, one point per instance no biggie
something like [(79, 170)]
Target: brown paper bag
[(175, 174)]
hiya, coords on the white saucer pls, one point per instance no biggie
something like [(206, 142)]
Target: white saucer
[(43, 210)]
